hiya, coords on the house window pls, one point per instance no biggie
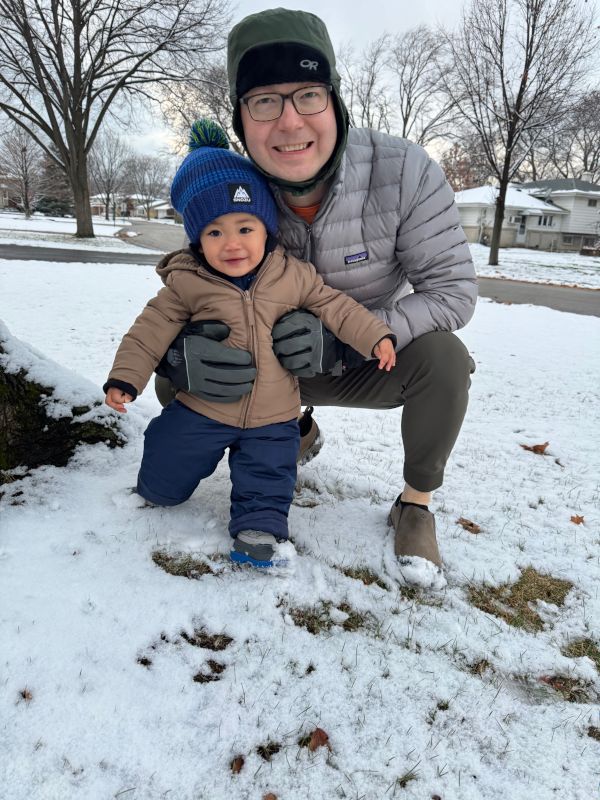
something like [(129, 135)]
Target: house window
[(567, 239), (546, 220), (588, 241), (592, 203)]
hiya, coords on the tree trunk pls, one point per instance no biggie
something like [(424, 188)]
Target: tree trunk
[(498, 220), (500, 205), (81, 195), (31, 438)]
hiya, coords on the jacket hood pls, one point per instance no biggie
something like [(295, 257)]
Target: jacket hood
[(281, 26), (179, 259)]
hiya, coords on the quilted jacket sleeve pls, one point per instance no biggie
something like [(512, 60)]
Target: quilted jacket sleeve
[(351, 322), (149, 337), (432, 251)]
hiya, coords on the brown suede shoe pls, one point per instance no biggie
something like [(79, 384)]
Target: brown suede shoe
[(311, 440), (414, 533)]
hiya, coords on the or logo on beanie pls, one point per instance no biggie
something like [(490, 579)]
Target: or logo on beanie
[(239, 193), (306, 63)]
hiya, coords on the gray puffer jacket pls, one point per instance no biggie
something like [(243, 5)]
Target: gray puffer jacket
[(388, 224)]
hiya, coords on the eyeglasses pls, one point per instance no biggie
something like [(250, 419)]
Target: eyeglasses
[(268, 106)]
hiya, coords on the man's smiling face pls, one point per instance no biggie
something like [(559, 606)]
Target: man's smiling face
[(293, 147)]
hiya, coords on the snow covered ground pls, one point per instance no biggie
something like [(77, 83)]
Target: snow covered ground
[(567, 269), (121, 680), (538, 266), (42, 231)]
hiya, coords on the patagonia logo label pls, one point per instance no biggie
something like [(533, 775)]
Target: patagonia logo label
[(357, 257), (240, 193)]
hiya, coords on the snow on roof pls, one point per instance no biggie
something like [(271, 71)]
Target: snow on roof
[(515, 198)]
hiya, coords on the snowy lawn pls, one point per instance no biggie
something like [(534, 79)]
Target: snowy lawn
[(538, 266), (58, 232), (122, 679)]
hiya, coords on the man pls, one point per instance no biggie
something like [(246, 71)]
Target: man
[(376, 217)]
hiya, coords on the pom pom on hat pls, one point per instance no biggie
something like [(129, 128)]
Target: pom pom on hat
[(206, 133), (214, 180)]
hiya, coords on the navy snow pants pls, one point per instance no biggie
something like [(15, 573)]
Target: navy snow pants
[(181, 447)]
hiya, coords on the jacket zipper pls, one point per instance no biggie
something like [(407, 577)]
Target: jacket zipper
[(248, 301)]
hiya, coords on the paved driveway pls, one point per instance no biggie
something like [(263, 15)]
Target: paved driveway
[(157, 235)]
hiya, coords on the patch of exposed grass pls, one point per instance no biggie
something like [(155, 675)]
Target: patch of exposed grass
[(268, 750), (25, 695), (571, 689), (511, 602), (317, 619), (355, 620), (581, 648), (181, 564), (364, 574), (216, 669), (403, 781), (479, 667), (208, 641), (594, 733), (204, 677)]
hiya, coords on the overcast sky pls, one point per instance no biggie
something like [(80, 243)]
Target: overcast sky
[(364, 21), (355, 22), (352, 22)]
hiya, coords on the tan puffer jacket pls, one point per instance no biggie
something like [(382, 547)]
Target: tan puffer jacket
[(191, 293)]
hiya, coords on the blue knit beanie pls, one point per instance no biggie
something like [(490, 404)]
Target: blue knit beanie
[(214, 180)]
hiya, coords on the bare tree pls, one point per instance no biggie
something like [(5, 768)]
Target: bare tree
[(64, 62), (147, 177), (204, 97), (22, 168), (465, 165), (108, 161), (364, 84), (517, 64), (575, 147), (425, 109)]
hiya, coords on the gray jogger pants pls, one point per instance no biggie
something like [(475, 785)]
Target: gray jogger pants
[(431, 380)]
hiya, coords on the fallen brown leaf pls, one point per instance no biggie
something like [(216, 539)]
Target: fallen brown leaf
[(472, 527), (577, 519), (318, 738), (540, 449), (237, 764), (270, 796)]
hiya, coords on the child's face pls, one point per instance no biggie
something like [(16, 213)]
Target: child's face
[(234, 244)]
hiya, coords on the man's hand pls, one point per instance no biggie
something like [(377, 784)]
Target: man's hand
[(304, 346), (384, 351), (197, 362), (115, 399)]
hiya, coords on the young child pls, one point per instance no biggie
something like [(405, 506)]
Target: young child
[(233, 281)]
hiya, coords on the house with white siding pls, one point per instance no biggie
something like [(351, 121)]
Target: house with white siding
[(559, 214), (525, 217), (581, 199)]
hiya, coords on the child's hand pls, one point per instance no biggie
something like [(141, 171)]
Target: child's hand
[(115, 399), (386, 354)]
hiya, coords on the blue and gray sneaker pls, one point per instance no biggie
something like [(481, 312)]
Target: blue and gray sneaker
[(259, 549)]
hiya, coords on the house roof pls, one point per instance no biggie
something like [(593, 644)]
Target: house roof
[(562, 185), (515, 198)]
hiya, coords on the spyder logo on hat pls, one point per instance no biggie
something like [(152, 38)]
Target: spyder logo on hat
[(239, 193)]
